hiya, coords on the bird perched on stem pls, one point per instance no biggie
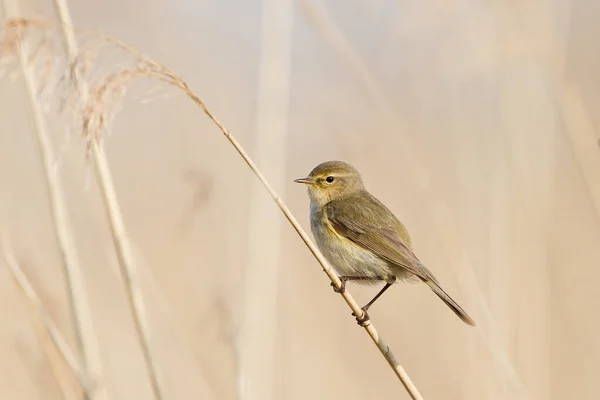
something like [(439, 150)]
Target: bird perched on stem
[(361, 238)]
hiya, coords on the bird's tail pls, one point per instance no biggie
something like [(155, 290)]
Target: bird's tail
[(445, 297)]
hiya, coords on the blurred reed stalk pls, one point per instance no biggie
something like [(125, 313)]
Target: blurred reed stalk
[(582, 135), (80, 309), (257, 339), (117, 226), (62, 375), (52, 331)]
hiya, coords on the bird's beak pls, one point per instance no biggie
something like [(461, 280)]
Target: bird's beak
[(306, 181)]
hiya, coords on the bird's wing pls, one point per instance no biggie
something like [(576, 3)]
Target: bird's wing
[(381, 237)]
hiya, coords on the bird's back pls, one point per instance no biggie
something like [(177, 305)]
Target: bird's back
[(367, 210)]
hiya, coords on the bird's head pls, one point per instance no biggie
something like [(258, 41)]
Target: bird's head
[(332, 180)]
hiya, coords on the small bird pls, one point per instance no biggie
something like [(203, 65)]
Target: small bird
[(361, 238)]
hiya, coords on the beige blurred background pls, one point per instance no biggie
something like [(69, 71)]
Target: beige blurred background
[(475, 122)]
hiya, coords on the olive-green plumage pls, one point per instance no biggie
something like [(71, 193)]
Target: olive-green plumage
[(360, 236)]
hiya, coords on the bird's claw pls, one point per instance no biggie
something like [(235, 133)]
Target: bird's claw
[(342, 287), (363, 318)]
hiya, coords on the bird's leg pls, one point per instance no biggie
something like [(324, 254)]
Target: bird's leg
[(369, 304), (345, 279), (362, 319)]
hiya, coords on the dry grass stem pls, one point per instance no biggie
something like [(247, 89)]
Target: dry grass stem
[(582, 136), (62, 373), (127, 265), (113, 210), (51, 328), (87, 341), (97, 106)]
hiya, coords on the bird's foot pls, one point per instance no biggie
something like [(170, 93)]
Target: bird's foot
[(362, 319), (342, 287)]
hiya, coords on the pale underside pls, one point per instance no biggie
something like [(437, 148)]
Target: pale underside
[(349, 259)]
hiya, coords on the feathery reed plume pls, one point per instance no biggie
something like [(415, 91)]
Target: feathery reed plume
[(97, 107), (87, 341), (51, 328)]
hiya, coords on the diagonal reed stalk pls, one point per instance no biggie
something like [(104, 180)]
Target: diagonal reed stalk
[(52, 330), (117, 226), (62, 374), (80, 309), (369, 328), (94, 120)]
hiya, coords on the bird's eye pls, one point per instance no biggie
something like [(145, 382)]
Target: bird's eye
[(330, 179)]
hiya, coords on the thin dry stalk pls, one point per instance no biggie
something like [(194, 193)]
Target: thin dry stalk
[(78, 298), (94, 121), (51, 328), (62, 375), (113, 210), (582, 135), (383, 348), (127, 264)]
